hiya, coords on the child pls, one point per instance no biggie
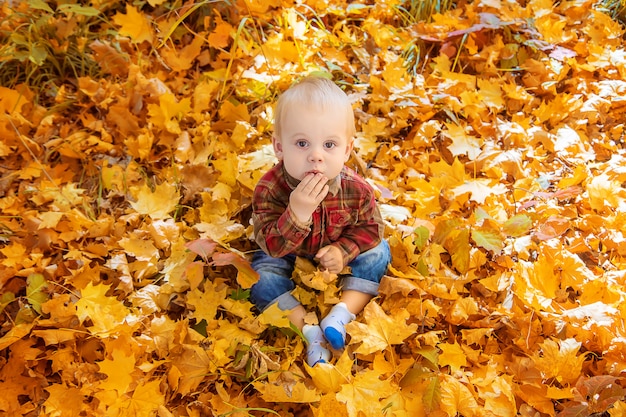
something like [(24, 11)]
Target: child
[(311, 205)]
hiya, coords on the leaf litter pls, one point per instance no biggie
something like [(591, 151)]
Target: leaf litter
[(125, 231)]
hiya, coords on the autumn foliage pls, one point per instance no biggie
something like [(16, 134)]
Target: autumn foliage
[(494, 134)]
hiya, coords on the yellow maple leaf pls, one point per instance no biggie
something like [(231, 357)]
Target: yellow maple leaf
[(329, 406), (456, 398), (457, 244), (49, 219), (452, 355), (145, 401), (140, 248), (168, 112), (479, 189), (157, 204), (491, 93), (552, 28), (135, 25), (11, 101), (194, 274), (64, 400), (228, 166), (329, 378), (536, 283), (140, 145), (231, 112), (462, 142), (296, 393), (604, 192), (176, 265), (207, 301), (475, 336), (181, 59), (364, 394), (462, 309), (560, 360), (537, 397), (495, 389), (17, 332), (55, 336), (381, 330), (274, 316), (118, 370), (106, 313), (190, 366)]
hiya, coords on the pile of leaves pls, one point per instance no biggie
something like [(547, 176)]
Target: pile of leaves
[(493, 133)]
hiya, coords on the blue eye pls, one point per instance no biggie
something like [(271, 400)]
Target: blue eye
[(301, 143), (329, 145)]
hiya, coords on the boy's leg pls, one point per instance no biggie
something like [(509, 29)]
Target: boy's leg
[(315, 350), (358, 289), (275, 286)]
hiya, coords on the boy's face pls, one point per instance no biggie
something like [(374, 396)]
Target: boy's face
[(313, 140)]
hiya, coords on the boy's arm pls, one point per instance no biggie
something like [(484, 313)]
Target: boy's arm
[(281, 216), (278, 235), (363, 235), (276, 229)]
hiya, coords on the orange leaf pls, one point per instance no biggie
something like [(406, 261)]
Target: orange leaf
[(181, 59), (202, 247), (64, 400), (246, 276), (135, 25), (381, 330), (219, 37)]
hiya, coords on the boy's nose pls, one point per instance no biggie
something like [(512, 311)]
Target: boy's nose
[(315, 156)]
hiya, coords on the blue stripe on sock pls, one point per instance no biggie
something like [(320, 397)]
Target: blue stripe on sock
[(334, 337)]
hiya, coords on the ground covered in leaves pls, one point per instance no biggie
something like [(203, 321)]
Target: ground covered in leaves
[(493, 133)]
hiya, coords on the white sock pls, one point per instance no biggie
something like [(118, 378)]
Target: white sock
[(315, 351), (334, 325)]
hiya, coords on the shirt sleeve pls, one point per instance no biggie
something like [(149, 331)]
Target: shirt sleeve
[(277, 231)]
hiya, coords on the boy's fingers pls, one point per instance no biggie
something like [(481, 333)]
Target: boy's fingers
[(321, 252)]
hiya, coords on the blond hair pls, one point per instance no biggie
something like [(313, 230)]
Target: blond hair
[(317, 92)]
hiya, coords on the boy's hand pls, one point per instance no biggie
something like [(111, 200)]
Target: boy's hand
[(308, 195), (330, 257)]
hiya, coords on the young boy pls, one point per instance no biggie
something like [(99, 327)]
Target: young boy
[(311, 205)]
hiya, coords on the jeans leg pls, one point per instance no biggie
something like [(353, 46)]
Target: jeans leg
[(368, 269), (274, 284)]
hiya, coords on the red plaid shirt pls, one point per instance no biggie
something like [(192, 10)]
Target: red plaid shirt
[(348, 218)]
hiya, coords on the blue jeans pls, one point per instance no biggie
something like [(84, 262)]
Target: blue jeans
[(275, 284)]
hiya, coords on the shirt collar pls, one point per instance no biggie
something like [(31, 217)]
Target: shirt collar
[(334, 185)]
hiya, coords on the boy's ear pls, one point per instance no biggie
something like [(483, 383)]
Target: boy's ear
[(349, 148), (278, 147)]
